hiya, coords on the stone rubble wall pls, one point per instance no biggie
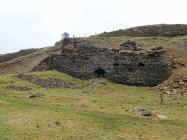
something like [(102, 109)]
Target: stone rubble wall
[(139, 68)]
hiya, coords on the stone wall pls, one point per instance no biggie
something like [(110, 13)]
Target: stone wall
[(140, 68)]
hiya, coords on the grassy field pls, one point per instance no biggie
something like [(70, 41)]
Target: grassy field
[(91, 110)]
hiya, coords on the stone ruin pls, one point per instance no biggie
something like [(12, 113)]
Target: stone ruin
[(131, 45), (129, 65)]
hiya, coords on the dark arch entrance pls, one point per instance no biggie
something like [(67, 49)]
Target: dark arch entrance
[(99, 72)]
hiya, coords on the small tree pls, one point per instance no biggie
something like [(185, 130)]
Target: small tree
[(65, 38)]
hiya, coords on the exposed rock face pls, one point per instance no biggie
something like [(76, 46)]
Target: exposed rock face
[(141, 68)]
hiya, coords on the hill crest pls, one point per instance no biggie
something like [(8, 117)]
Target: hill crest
[(161, 30)]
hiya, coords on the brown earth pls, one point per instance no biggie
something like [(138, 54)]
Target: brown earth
[(26, 63)]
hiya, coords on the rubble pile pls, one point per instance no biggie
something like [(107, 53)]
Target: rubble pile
[(131, 45), (176, 85), (45, 82)]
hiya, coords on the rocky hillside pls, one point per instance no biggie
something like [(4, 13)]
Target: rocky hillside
[(82, 90), (142, 61), (150, 31)]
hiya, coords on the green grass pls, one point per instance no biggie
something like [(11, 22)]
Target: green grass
[(87, 112)]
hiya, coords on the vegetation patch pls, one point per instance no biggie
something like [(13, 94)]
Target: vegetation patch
[(37, 95), (159, 30), (19, 88)]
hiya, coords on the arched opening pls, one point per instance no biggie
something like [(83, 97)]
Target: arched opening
[(99, 72), (141, 64), (115, 64)]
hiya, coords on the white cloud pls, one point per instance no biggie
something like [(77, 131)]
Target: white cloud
[(38, 23)]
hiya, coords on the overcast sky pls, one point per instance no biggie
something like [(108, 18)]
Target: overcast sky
[(40, 23)]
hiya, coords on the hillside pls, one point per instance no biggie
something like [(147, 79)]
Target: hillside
[(22, 64), (102, 87), (25, 63), (176, 47), (88, 109), (159, 30), (10, 56)]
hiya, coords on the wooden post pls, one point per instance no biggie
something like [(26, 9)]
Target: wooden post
[(161, 98)]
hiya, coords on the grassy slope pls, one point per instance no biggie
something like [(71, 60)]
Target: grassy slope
[(10, 56), (150, 30), (148, 42), (87, 112)]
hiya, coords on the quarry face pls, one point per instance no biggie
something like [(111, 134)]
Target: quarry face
[(129, 65)]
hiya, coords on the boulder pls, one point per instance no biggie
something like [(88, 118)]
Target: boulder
[(143, 111)]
